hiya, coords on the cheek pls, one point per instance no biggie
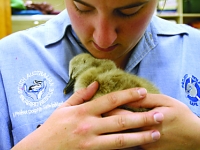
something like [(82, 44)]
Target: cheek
[(79, 24), (136, 28), (132, 32), (139, 23)]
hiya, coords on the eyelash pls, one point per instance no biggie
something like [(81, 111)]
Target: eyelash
[(117, 12), (124, 15), (80, 11)]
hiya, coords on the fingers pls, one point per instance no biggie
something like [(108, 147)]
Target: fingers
[(119, 141), (112, 100), (82, 95), (129, 121), (154, 100)]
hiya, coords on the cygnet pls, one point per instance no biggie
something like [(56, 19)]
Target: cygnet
[(85, 69)]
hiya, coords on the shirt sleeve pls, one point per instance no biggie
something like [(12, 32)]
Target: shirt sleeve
[(6, 140)]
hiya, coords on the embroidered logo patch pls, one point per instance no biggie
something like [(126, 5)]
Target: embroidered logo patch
[(192, 89), (35, 88)]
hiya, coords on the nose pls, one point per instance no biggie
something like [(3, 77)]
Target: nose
[(105, 32)]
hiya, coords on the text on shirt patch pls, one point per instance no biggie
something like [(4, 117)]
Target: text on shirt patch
[(35, 89), (192, 89)]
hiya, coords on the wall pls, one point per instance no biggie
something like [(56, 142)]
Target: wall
[(5, 21)]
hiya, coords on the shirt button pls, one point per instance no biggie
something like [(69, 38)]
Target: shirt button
[(150, 35), (39, 125)]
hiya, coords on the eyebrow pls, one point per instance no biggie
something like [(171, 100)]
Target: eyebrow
[(81, 2), (133, 5)]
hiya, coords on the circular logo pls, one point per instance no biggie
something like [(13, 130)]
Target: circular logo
[(35, 88), (192, 89)]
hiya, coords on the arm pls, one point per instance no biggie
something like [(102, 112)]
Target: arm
[(74, 126)]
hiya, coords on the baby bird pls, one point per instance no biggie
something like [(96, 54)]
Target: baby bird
[(85, 69)]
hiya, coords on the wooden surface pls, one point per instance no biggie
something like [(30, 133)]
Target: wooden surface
[(5, 18)]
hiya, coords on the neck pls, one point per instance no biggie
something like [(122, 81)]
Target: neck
[(122, 61)]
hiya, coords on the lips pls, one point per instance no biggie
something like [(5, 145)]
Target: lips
[(105, 49)]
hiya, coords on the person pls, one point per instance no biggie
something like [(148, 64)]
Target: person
[(35, 114)]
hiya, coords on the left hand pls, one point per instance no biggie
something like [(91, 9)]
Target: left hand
[(180, 129)]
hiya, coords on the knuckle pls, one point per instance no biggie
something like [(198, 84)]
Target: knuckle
[(80, 92), (121, 121), (120, 141), (81, 111), (84, 145), (145, 118), (133, 92), (144, 139), (83, 129), (112, 98)]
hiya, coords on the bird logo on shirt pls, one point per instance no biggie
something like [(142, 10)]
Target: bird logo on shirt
[(36, 90), (192, 89)]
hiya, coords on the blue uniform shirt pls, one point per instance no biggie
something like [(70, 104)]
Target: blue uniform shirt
[(34, 70)]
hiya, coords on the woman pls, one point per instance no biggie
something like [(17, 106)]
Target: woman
[(34, 71)]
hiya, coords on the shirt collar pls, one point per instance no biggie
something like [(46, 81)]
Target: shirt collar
[(157, 27), (144, 46), (56, 28), (164, 27)]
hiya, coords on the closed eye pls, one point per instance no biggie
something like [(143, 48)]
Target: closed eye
[(131, 10), (128, 12), (82, 7)]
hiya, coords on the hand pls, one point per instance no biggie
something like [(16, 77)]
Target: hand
[(180, 129), (78, 125)]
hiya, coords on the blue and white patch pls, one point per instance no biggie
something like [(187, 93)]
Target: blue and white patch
[(35, 88), (192, 89)]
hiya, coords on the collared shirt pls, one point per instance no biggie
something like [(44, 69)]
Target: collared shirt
[(34, 70)]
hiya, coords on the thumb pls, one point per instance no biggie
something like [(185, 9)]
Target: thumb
[(82, 95)]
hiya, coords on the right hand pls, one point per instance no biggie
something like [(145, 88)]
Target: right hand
[(78, 125)]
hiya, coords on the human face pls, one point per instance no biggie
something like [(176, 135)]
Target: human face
[(110, 28)]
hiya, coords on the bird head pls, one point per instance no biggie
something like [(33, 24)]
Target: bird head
[(79, 64), (83, 62)]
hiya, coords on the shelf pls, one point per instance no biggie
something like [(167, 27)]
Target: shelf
[(191, 15), (179, 16), (168, 15), (31, 17), (22, 22)]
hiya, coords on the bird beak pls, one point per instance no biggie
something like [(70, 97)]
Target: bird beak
[(69, 86)]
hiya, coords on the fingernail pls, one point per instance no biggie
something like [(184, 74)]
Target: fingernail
[(158, 117), (142, 91), (155, 135), (91, 84)]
